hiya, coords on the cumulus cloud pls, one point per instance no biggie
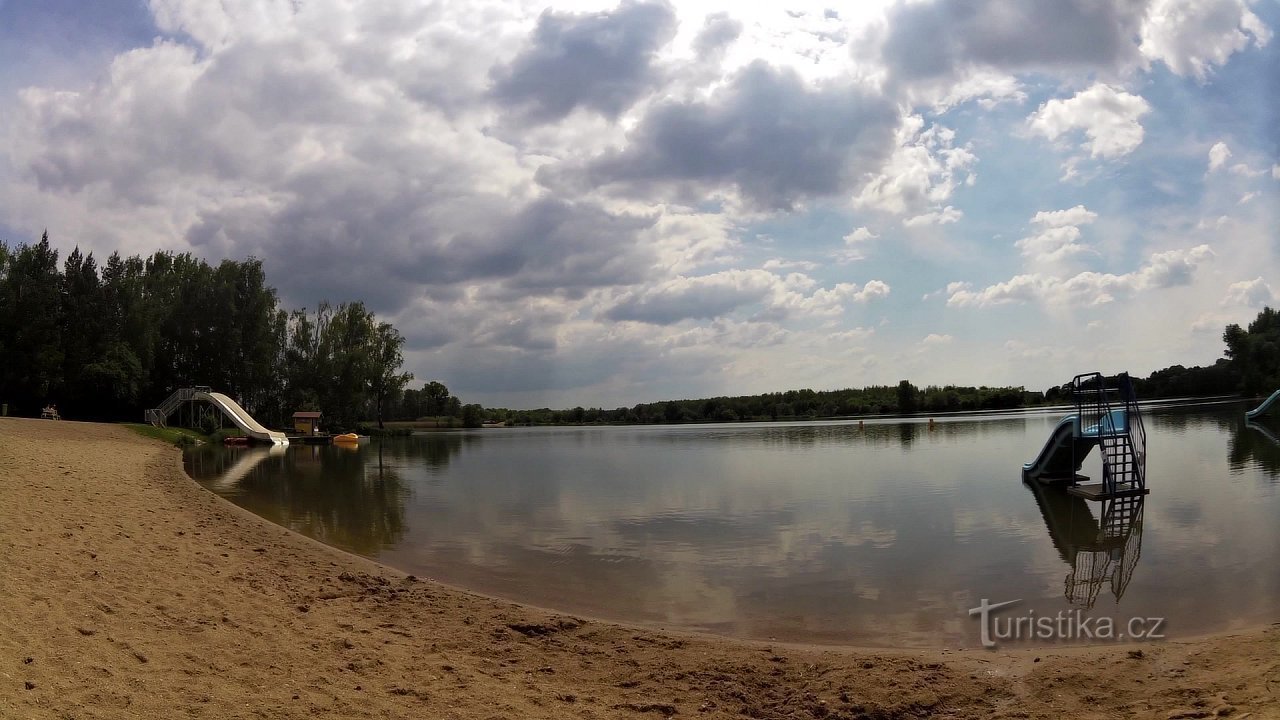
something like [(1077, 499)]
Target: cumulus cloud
[(1078, 215), (1192, 37), (1218, 155), (943, 42), (718, 32), (343, 186), (600, 61), (943, 216), (775, 264), (586, 199), (1109, 118), (935, 339), (1162, 270), (1057, 238), (858, 236), (921, 175), (719, 294), (765, 134), (854, 246), (1249, 293)]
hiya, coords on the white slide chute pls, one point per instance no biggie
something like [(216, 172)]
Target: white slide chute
[(242, 419)]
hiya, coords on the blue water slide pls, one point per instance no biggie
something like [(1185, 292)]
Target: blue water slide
[(1065, 450), (1112, 424), (1265, 407)]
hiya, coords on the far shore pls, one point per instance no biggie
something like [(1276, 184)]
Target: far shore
[(131, 592)]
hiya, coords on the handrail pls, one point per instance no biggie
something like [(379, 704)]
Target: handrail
[(159, 415), (1137, 431), (1089, 390)]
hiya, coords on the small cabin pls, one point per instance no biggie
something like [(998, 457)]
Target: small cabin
[(306, 422)]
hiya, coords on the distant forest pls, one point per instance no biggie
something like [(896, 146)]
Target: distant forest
[(1251, 367), (105, 344)]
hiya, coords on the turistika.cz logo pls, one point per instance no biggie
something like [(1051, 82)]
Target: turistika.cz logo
[(1065, 625)]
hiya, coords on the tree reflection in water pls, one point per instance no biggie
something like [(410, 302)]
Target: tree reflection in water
[(352, 497), (1256, 442)]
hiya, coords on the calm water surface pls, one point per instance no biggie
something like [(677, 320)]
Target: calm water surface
[(880, 534)]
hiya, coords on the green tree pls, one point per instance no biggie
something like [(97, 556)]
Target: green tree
[(31, 327), (907, 396), (1255, 352), (472, 416), (436, 399), (386, 379)]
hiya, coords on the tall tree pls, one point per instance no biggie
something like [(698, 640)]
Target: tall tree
[(386, 360), (82, 333), (30, 322), (1255, 352)]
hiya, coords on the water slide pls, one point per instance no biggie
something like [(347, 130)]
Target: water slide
[(1069, 444), (242, 419), (1264, 407)]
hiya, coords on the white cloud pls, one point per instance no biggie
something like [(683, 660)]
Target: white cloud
[(1192, 37), (935, 339), (1162, 270), (1057, 241), (944, 216), (1108, 116), (950, 289), (925, 169), (854, 246), (859, 236), (1218, 155), (1078, 215), (723, 293), (851, 337), (1253, 293), (774, 264), (1020, 350), (1052, 245), (1244, 170)]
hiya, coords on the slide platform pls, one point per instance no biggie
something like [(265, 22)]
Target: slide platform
[(1265, 407), (242, 419)]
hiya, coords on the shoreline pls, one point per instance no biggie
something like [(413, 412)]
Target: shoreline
[(131, 591)]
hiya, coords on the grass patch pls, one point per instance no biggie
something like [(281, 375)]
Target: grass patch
[(174, 436)]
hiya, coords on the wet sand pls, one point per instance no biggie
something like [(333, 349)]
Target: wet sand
[(127, 591)]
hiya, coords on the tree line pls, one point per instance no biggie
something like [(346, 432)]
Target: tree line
[(105, 344), (1251, 367)]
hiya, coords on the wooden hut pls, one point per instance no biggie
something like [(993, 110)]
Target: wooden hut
[(306, 422)]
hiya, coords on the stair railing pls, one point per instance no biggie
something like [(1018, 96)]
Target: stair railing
[(158, 416), (1137, 431), (1093, 411)]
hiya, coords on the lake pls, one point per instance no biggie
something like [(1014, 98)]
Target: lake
[(881, 533)]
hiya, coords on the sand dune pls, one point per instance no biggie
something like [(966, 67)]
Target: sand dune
[(127, 591)]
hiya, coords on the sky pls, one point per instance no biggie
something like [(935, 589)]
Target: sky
[(602, 203)]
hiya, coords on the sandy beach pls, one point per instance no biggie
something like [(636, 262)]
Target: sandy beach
[(131, 592)]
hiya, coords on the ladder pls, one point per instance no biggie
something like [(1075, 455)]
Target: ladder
[(1123, 442)]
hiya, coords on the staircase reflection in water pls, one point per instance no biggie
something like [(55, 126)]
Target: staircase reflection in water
[(1100, 551)]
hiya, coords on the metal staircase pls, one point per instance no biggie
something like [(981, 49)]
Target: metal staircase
[(1112, 413), (160, 415)]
